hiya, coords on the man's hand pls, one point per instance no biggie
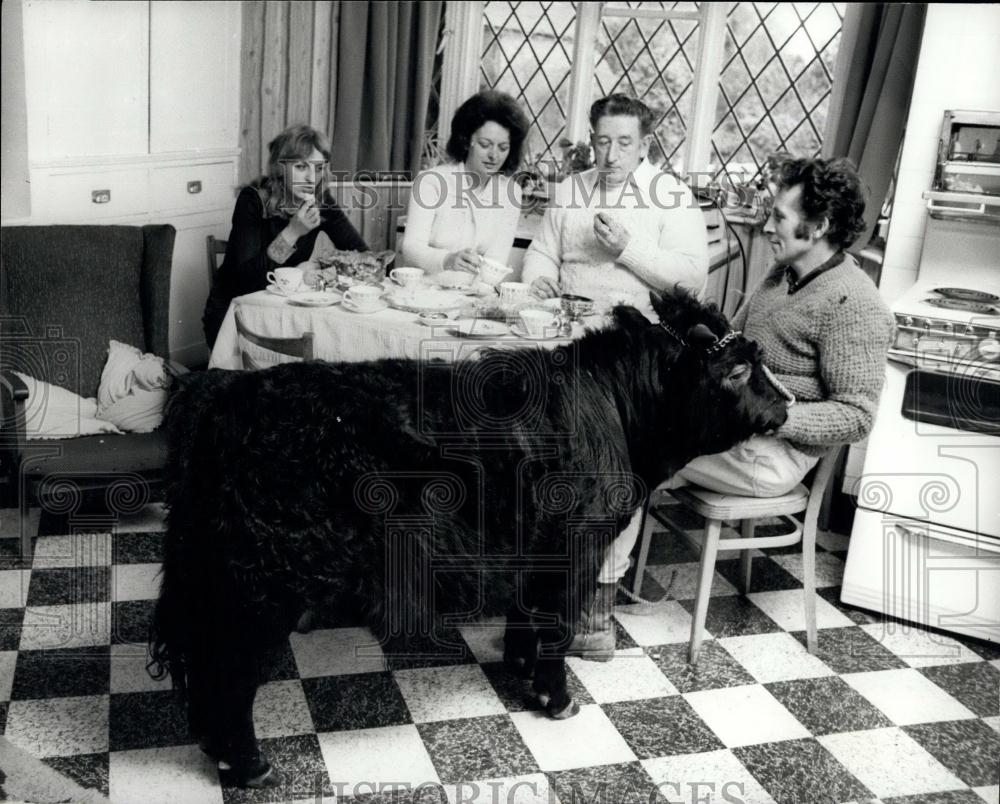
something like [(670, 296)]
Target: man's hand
[(464, 260), (610, 233), (544, 288), (305, 219)]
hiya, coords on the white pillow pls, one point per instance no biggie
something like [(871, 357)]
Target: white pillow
[(133, 390), (54, 412)]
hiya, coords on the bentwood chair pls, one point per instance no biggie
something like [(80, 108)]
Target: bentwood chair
[(718, 509), (300, 347), (215, 251)]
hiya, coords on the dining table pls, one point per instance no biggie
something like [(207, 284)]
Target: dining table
[(343, 335)]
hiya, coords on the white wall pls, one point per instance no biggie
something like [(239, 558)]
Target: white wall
[(958, 68)]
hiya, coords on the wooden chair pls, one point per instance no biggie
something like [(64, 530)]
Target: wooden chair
[(719, 508), (301, 347), (215, 249)]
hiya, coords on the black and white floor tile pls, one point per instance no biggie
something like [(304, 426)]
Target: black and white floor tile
[(883, 711)]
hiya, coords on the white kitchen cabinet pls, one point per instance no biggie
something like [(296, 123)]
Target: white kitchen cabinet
[(193, 37), (86, 78), (133, 118)]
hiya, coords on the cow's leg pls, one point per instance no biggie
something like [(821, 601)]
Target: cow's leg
[(248, 767), (554, 637), (520, 640)]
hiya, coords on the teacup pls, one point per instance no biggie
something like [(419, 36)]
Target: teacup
[(491, 271), (513, 294), (537, 322), (407, 277), (287, 280), (363, 297)]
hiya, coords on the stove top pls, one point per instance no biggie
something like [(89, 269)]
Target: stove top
[(938, 302)]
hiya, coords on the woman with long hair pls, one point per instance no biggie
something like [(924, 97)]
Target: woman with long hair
[(277, 220)]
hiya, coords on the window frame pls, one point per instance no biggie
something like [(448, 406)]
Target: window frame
[(463, 38)]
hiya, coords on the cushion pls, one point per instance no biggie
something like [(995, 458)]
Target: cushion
[(53, 412), (133, 390), (74, 287)]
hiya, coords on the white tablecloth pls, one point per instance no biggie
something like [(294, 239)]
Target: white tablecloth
[(341, 335)]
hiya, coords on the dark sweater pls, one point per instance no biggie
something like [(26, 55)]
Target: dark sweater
[(246, 264)]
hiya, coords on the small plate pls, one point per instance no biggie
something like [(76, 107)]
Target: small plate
[(521, 332), (479, 328), (382, 305), (275, 290), (315, 298), (426, 300), (453, 280)]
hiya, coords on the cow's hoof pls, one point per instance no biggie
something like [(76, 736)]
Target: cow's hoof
[(572, 708), (258, 776)]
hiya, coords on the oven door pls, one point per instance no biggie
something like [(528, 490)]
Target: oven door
[(934, 451)]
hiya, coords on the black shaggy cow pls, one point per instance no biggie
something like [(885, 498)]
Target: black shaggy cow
[(404, 486)]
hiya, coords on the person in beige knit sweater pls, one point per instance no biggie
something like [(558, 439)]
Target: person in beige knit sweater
[(624, 228), (825, 332)]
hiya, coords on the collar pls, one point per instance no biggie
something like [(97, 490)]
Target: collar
[(796, 283), (642, 178)]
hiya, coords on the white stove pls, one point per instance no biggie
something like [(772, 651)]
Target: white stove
[(925, 545)]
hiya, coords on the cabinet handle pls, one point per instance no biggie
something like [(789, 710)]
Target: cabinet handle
[(194, 187), (100, 196)]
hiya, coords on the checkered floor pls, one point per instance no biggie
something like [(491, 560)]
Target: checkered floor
[(884, 711)]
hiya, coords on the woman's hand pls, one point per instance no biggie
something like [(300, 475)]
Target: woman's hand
[(544, 288), (464, 260), (305, 219)]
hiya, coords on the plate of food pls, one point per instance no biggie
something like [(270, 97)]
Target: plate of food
[(423, 300)]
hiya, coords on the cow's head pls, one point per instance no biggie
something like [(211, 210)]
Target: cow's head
[(723, 393)]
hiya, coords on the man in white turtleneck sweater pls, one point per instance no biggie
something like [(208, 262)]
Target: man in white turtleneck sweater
[(617, 231)]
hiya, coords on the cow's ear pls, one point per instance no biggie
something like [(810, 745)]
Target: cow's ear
[(700, 335)]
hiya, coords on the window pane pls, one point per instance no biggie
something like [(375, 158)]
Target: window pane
[(775, 84), (527, 52), (653, 60)]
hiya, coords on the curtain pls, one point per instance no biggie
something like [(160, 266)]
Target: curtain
[(876, 66), (385, 60)]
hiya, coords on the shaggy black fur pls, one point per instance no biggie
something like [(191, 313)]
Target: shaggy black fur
[(405, 486)]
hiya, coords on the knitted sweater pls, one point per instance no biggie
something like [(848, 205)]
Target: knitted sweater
[(827, 343), (668, 242)]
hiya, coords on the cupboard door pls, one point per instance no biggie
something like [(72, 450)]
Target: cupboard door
[(194, 64), (86, 81)]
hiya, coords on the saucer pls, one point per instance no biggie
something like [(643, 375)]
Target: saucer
[(315, 298), (382, 305), (274, 289), (479, 328), (519, 330)]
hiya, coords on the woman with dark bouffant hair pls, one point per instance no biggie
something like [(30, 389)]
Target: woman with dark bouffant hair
[(277, 220), (467, 209)]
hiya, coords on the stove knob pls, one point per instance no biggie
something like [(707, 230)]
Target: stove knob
[(948, 327), (907, 320), (970, 330), (989, 349)]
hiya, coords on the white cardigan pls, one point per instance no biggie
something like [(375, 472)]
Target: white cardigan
[(444, 215)]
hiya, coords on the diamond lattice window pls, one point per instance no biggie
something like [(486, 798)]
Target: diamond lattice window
[(651, 59), (777, 74), (528, 53)]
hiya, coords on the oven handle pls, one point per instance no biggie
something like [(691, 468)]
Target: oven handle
[(909, 359)]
